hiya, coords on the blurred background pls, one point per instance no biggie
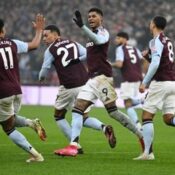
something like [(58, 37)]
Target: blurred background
[(131, 16)]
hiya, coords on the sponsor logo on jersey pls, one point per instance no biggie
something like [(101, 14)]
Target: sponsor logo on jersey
[(90, 44)]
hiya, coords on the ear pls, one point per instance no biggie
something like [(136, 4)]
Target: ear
[(2, 33)]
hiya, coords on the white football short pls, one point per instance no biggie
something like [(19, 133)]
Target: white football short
[(129, 90), (161, 96), (66, 98), (99, 87), (9, 106)]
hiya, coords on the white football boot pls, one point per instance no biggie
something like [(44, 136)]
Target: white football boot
[(144, 156), (38, 158)]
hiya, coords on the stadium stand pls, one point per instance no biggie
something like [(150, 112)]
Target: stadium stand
[(129, 16)]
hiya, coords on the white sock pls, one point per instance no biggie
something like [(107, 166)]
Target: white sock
[(136, 101), (125, 121), (65, 127), (21, 121), (34, 152), (173, 121), (132, 114), (148, 135), (20, 140), (93, 123), (77, 123)]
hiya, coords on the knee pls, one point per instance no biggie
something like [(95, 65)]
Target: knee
[(60, 114), (128, 103), (168, 119), (111, 107), (81, 105), (9, 125)]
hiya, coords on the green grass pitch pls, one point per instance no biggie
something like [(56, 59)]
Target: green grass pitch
[(99, 158)]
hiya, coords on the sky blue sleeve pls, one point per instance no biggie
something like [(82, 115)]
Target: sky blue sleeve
[(82, 52), (48, 59), (101, 37), (119, 55), (22, 47), (156, 51), (47, 63)]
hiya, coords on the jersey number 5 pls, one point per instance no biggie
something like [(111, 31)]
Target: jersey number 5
[(66, 53), (132, 55), (7, 56)]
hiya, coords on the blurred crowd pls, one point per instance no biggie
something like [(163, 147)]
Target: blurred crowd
[(119, 15)]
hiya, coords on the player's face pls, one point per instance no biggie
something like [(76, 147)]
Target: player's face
[(151, 26), (49, 37), (2, 34), (119, 40), (94, 19)]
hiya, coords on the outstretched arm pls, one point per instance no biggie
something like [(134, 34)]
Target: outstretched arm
[(99, 38), (38, 26)]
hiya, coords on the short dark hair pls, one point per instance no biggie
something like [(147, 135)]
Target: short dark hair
[(53, 28), (97, 10), (160, 22), (1, 25), (123, 35)]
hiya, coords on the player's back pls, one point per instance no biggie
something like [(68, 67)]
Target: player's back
[(166, 69), (131, 70), (9, 71), (70, 69)]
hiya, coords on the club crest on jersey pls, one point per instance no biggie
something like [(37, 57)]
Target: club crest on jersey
[(89, 44)]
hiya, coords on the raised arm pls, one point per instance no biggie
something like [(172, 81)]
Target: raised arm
[(98, 38), (38, 25)]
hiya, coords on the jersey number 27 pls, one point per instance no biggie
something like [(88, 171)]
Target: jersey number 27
[(66, 54)]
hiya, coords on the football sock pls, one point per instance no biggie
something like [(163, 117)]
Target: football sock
[(124, 120), (132, 114), (148, 135), (93, 123), (20, 140), (172, 123), (77, 123), (65, 127), (136, 101), (34, 152), (21, 121)]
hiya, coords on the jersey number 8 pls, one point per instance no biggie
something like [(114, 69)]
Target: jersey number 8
[(170, 50)]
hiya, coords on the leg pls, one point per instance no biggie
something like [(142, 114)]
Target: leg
[(122, 118), (77, 123), (20, 140), (35, 124), (132, 113), (62, 123), (148, 136), (98, 125), (21, 121), (169, 119), (65, 127), (77, 118)]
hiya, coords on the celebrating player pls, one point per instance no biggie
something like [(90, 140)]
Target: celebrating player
[(100, 84), (128, 59), (10, 89), (66, 56), (161, 77)]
